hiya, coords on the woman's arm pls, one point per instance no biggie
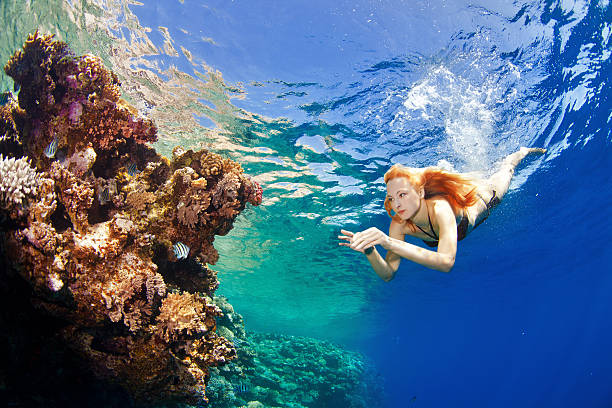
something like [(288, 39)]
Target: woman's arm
[(442, 260), (384, 268)]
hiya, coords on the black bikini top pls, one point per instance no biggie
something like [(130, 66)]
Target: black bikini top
[(462, 226)]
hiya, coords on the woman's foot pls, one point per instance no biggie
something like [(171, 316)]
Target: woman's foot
[(500, 180), (515, 158), (529, 150)]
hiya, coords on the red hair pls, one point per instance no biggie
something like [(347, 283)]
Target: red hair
[(457, 190)]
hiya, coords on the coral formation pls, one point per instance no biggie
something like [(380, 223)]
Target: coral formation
[(89, 229), (18, 182), (273, 370), (9, 139)]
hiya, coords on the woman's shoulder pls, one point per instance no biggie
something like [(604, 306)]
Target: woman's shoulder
[(440, 207)]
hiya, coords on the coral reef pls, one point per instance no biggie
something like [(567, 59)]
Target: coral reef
[(273, 370), (88, 220)]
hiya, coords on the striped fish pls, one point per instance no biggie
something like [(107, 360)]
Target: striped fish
[(241, 388), (132, 169), (180, 250), (51, 149)]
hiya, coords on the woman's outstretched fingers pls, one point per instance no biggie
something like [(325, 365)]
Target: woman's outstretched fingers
[(346, 236)]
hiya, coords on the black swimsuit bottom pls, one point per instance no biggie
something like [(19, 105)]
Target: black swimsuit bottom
[(462, 227)]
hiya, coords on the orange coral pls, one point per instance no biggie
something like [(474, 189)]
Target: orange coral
[(185, 313), (108, 127), (211, 164)]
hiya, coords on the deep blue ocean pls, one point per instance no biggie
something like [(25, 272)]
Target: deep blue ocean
[(316, 100)]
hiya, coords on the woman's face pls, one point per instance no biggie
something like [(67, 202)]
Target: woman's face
[(404, 199)]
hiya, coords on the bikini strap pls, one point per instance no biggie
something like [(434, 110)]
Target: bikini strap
[(434, 236), (492, 202)]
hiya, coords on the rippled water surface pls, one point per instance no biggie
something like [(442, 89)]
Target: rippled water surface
[(317, 99)]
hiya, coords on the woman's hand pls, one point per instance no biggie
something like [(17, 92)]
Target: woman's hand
[(363, 240)]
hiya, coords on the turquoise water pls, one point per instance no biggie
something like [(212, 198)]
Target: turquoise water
[(316, 101)]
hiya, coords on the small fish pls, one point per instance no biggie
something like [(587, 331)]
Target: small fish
[(241, 388), (132, 169), (180, 250), (413, 399), (51, 149), (16, 87)]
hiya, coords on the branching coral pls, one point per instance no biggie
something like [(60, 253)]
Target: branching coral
[(101, 213), (18, 182)]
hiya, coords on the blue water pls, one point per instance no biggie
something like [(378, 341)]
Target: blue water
[(317, 100)]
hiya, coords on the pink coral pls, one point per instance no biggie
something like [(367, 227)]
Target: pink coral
[(255, 195)]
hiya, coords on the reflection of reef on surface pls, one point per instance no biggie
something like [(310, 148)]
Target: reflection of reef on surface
[(90, 219), (275, 371)]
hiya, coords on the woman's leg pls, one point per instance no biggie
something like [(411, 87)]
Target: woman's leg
[(500, 180)]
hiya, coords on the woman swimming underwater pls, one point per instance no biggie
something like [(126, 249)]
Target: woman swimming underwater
[(439, 207)]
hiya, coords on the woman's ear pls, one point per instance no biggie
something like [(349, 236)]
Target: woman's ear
[(422, 192)]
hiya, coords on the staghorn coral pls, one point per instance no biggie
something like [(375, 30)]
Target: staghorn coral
[(93, 248), (18, 182)]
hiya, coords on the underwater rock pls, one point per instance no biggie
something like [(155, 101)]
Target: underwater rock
[(88, 230)]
